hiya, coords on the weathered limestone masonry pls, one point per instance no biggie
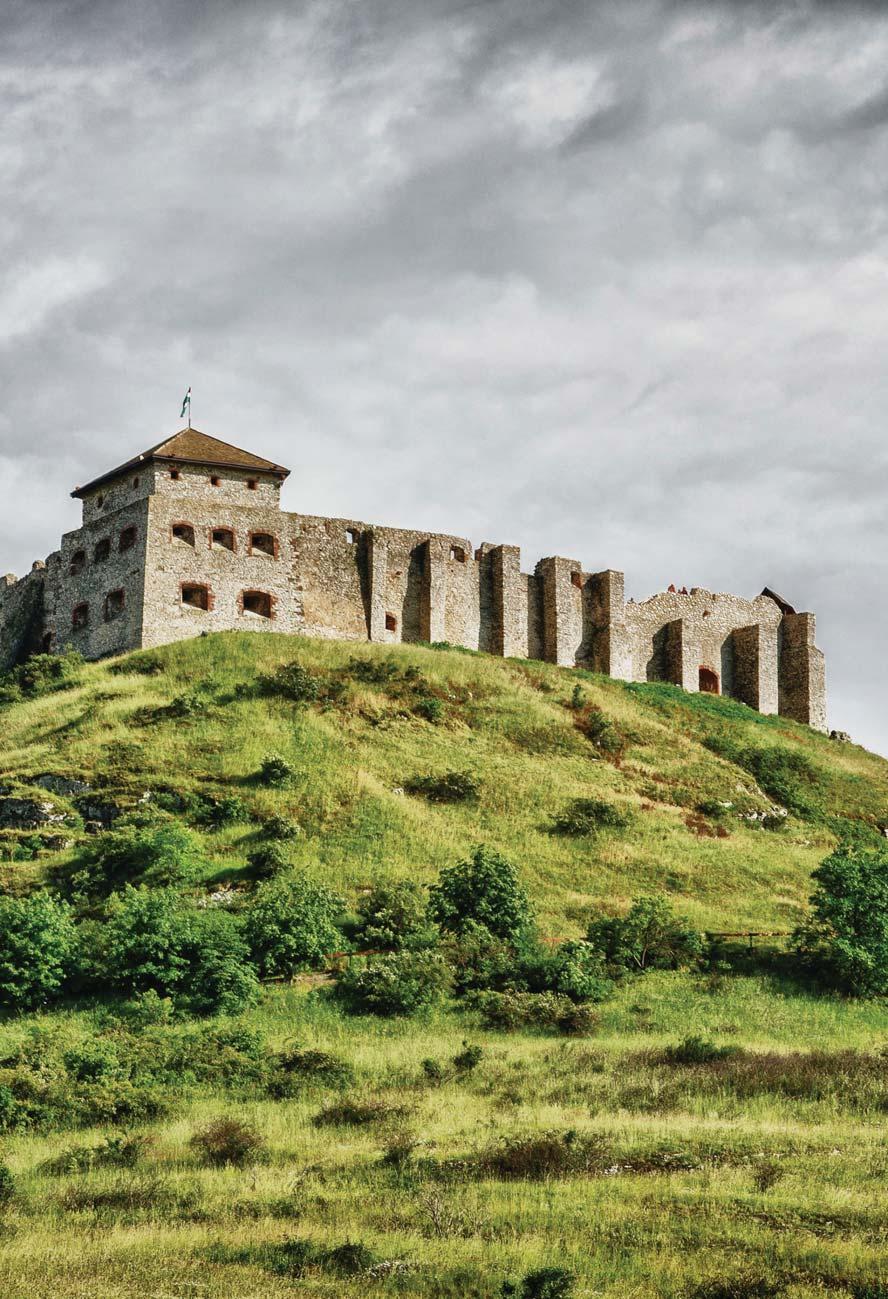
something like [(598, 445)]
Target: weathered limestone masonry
[(190, 537)]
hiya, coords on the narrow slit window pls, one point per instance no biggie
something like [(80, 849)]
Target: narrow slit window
[(391, 622), (80, 617), (195, 595), (252, 484), (257, 603), (127, 538), (222, 539), (215, 480), (577, 579), (114, 603), (78, 562), (263, 543), (183, 533), (102, 551), (135, 482), (100, 501)]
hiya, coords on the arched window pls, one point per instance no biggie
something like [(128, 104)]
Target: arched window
[(183, 533), (80, 617), (196, 596), (709, 683), (222, 539), (114, 603), (127, 538), (102, 550), (258, 604), (263, 543), (78, 562)]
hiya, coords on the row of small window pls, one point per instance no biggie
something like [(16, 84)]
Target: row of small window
[(457, 553), (113, 606), (102, 550), (259, 543), (215, 480), (198, 596)]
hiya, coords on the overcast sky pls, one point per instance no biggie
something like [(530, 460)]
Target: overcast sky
[(603, 280)]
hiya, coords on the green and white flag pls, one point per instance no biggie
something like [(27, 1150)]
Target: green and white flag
[(186, 405)]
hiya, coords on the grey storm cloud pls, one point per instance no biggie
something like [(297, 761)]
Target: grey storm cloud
[(605, 280)]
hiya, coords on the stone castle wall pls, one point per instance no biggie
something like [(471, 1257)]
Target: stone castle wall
[(167, 552)]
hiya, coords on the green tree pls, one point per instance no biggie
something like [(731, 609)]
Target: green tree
[(221, 976), (136, 852), (846, 938), (37, 946), (649, 937), (483, 890), (291, 925), (398, 984), (143, 942), (394, 916)]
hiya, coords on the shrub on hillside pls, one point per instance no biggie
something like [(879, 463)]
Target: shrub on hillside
[(845, 942), (451, 787), (549, 1011), (215, 813), (479, 960), (784, 774), (698, 1050), (274, 771), (292, 681), (482, 890), (545, 1283), (584, 816), (602, 732), (280, 828), (429, 709), (577, 970), (221, 977), (37, 948), (268, 860), (399, 984), (294, 1069), (649, 937), (136, 851), (291, 925), (228, 1142), (393, 916), (41, 674)]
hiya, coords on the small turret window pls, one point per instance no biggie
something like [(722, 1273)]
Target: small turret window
[(222, 539), (195, 595), (183, 533), (257, 603), (263, 543), (114, 602)]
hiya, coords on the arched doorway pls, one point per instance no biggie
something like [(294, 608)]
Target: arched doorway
[(709, 683)]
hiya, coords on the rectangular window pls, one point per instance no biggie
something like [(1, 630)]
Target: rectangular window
[(114, 602), (252, 483), (80, 617), (183, 533), (195, 595), (263, 543), (257, 603), (391, 622), (127, 538), (222, 539), (102, 551)]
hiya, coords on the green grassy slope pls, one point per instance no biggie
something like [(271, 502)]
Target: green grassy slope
[(511, 723)]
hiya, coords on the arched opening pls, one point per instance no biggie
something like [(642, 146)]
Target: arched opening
[(263, 543), (80, 617), (78, 562), (102, 550), (195, 595), (222, 539), (114, 604), (183, 533), (127, 538), (257, 603), (709, 683)]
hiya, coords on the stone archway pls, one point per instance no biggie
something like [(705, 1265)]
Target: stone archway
[(709, 682)]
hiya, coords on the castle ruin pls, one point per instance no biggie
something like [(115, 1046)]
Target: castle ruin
[(189, 537)]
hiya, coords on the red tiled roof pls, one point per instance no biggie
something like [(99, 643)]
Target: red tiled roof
[(190, 446)]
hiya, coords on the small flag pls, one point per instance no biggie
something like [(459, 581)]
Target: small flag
[(186, 405)]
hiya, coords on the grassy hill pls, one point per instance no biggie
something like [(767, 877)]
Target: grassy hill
[(395, 1164), (691, 772)]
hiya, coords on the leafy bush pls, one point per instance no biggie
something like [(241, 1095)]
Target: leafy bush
[(483, 890), (846, 940), (280, 828), (268, 860), (158, 855), (392, 917), (214, 813), (399, 984), (291, 925), (602, 732), (480, 960), (292, 681), (274, 771), (294, 1069), (649, 937), (377, 672), (37, 946), (152, 940), (228, 1141), (429, 709), (358, 1112), (541, 1155), (348, 1259), (451, 787), (123, 1151), (40, 675), (589, 816), (578, 972), (697, 1050), (468, 1058), (545, 1283), (744, 1285), (542, 1010)]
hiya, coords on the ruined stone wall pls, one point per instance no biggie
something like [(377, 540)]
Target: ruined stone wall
[(22, 602)]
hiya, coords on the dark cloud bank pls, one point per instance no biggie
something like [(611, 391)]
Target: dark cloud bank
[(603, 280)]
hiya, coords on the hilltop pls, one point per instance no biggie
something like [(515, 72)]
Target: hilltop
[(727, 811)]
